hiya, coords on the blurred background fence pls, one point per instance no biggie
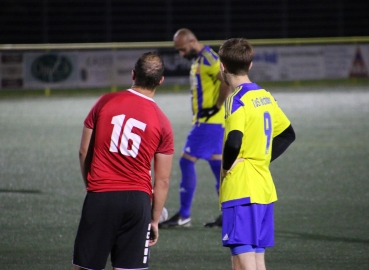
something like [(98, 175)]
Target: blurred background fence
[(67, 21), (94, 65), (61, 44)]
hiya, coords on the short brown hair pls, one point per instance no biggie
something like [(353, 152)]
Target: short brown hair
[(149, 69), (236, 54)]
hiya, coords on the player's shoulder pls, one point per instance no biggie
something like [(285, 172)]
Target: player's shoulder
[(249, 90), (112, 95), (209, 56), (244, 92), (105, 98), (162, 116)]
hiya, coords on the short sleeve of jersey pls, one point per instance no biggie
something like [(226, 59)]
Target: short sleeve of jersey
[(212, 65), (235, 115), (167, 142), (93, 114)]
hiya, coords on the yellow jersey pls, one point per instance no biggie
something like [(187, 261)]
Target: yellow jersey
[(255, 113), (205, 85)]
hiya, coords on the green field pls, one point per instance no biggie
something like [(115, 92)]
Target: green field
[(322, 216)]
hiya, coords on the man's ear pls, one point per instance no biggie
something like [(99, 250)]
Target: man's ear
[(133, 74), (222, 68), (250, 66), (161, 80)]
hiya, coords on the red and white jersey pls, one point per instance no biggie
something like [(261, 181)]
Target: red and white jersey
[(128, 129)]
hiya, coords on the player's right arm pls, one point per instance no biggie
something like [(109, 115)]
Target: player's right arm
[(85, 152), (224, 91), (232, 147), (235, 122), (162, 170)]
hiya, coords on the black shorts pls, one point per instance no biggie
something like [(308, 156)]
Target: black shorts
[(115, 223)]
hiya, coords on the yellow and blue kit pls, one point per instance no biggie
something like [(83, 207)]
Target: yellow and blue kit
[(254, 112), (205, 85), (205, 138)]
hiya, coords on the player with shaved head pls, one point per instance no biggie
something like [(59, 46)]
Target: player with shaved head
[(122, 134), (204, 141)]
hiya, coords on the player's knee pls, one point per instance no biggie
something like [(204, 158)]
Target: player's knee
[(188, 173), (239, 249), (186, 164), (189, 157), (216, 157)]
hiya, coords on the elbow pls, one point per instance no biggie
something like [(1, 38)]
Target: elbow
[(82, 153), (161, 184), (234, 148), (81, 156), (293, 137), (292, 134), (233, 145)]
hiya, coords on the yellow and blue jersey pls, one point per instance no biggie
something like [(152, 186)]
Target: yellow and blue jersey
[(255, 113), (205, 85)]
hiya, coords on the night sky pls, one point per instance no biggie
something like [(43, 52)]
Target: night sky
[(67, 21)]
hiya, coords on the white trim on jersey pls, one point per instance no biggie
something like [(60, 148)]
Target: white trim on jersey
[(139, 94)]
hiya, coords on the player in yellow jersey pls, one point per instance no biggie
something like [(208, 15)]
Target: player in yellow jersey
[(205, 140), (256, 132)]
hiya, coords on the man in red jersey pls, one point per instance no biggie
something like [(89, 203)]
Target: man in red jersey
[(122, 133)]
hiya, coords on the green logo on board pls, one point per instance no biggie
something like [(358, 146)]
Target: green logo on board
[(51, 68)]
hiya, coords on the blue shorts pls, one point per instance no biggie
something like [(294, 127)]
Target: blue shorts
[(250, 224), (204, 140)]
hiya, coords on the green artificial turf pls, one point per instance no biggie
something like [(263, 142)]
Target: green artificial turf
[(321, 217)]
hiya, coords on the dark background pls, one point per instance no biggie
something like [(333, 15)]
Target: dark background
[(69, 21)]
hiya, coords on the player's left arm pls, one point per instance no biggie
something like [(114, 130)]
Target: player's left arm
[(85, 152), (283, 133), (282, 141), (224, 91), (162, 170)]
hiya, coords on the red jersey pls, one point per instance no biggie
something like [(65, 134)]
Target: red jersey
[(128, 129)]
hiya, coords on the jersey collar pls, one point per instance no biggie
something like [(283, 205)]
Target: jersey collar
[(139, 94), (245, 87)]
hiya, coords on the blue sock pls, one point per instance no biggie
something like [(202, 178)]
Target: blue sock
[(215, 167), (187, 186)]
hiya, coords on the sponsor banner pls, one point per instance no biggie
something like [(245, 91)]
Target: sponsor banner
[(52, 69), (105, 68), (358, 64), (176, 68), (11, 70), (96, 68), (337, 61), (265, 64), (175, 65), (124, 63), (288, 63), (301, 63)]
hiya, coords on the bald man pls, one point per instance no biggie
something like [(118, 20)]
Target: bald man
[(205, 139)]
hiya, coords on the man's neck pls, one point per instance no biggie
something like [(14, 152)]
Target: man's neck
[(146, 92), (235, 81), (199, 47)]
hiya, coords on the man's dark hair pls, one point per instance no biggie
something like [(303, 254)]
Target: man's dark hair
[(149, 69), (236, 54)]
